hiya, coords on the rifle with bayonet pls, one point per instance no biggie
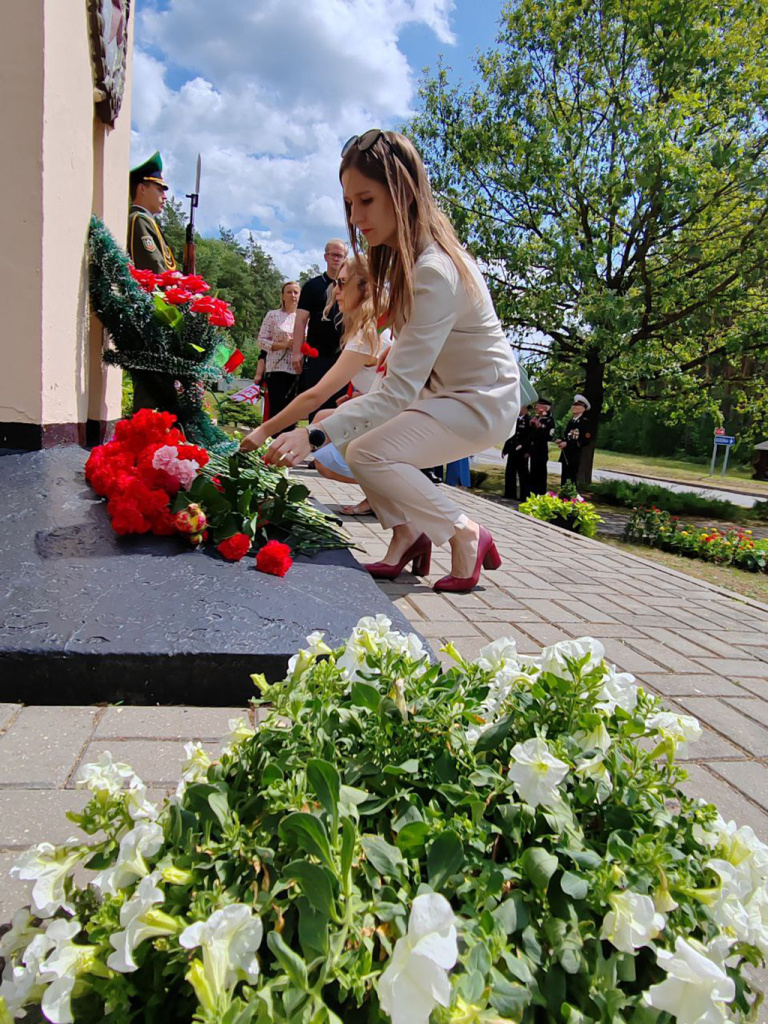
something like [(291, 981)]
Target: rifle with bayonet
[(189, 244)]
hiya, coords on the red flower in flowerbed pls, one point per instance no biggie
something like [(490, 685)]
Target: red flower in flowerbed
[(274, 558), (235, 547)]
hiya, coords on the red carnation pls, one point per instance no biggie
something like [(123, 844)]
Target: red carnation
[(127, 517), (162, 523), (274, 558), (217, 484), (234, 547), (308, 350), (193, 451), (177, 296), (195, 283), (146, 278), (206, 304), (170, 278), (221, 314)]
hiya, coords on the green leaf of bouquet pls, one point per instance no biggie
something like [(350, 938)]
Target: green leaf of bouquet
[(325, 782), (494, 736), (291, 962), (297, 492), (539, 865), (574, 885), (444, 858), (309, 834), (384, 857), (364, 695), (316, 883), (412, 838)]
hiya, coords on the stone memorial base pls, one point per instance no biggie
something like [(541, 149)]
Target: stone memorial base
[(89, 617)]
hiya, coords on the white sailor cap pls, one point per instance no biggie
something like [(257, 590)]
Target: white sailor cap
[(581, 400)]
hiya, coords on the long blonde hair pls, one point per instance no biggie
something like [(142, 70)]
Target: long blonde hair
[(393, 161), (361, 319)]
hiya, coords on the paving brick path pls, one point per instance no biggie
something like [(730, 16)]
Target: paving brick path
[(705, 651)]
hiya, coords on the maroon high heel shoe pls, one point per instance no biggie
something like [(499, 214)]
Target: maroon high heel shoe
[(420, 553), (487, 558)]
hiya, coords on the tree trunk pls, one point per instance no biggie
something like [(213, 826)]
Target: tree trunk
[(593, 390)]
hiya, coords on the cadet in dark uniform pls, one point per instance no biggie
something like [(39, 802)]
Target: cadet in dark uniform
[(578, 433), (541, 430), (149, 250), (517, 451), (147, 246)]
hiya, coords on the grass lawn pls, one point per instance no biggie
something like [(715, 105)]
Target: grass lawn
[(748, 584), (738, 478)]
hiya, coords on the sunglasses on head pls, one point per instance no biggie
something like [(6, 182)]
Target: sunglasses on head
[(364, 141)]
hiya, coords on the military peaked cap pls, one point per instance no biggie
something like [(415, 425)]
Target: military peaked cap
[(150, 170)]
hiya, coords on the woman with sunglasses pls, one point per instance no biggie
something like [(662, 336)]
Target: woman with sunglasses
[(362, 348), (452, 386)]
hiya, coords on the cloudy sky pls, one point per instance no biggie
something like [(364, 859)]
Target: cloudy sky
[(268, 90)]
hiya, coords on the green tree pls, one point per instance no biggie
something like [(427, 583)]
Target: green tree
[(310, 272), (173, 221), (609, 171)]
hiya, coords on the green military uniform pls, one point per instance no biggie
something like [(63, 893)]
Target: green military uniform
[(147, 246), (149, 250)]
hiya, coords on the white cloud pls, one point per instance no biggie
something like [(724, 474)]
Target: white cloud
[(269, 90)]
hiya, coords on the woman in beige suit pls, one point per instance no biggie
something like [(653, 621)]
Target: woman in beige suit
[(452, 385)]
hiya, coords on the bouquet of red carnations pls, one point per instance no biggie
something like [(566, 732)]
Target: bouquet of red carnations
[(156, 481)]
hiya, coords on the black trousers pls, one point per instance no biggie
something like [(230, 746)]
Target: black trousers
[(537, 476), (517, 469), (281, 390), (569, 466), (314, 370)]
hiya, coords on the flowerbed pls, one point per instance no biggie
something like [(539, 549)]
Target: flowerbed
[(156, 482), (502, 841), (735, 547), (572, 513)]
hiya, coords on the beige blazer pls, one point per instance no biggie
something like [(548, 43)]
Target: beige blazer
[(452, 349)]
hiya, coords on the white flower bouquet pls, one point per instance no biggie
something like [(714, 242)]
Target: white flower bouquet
[(501, 841)]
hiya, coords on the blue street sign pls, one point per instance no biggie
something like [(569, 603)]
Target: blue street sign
[(725, 440)]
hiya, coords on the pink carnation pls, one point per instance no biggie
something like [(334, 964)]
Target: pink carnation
[(183, 470)]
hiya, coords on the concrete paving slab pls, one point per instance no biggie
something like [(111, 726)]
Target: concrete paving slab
[(166, 723), (43, 745), (156, 762)]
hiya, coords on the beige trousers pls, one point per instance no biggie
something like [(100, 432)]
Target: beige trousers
[(387, 463)]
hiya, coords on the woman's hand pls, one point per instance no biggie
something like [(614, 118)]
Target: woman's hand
[(254, 440), (289, 449)]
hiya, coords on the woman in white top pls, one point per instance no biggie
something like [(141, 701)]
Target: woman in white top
[(452, 386), (362, 348), (276, 339)]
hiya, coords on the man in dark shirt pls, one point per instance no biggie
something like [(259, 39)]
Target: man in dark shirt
[(541, 430), (517, 450), (322, 334), (578, 433)]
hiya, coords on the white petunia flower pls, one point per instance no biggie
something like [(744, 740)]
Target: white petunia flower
[(594, 768), (105, 776), (139, 922), (555, 659), (299, 664), (632, 922), (239, 732), (536, 772), (416, 978), (374, 635), (61, 969), (596, 738), (194, 768), (683, 729), (696, 989), (22, 983), (144, 840), (48, 867), (498, 655), (136, 803), (618, 690), (229, 939), (18, 937)]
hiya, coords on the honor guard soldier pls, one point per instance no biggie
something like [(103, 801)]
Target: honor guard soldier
[(147, 246), (517, 450), (578, 433), (541, 430)]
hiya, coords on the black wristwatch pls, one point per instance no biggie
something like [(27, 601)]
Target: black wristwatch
[(317, 438)]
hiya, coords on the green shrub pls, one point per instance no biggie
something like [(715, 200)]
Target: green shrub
[(574, 514), (759, 511), (630, 495)]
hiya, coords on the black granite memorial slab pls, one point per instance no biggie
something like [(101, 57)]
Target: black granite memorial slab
[(87, 616)]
